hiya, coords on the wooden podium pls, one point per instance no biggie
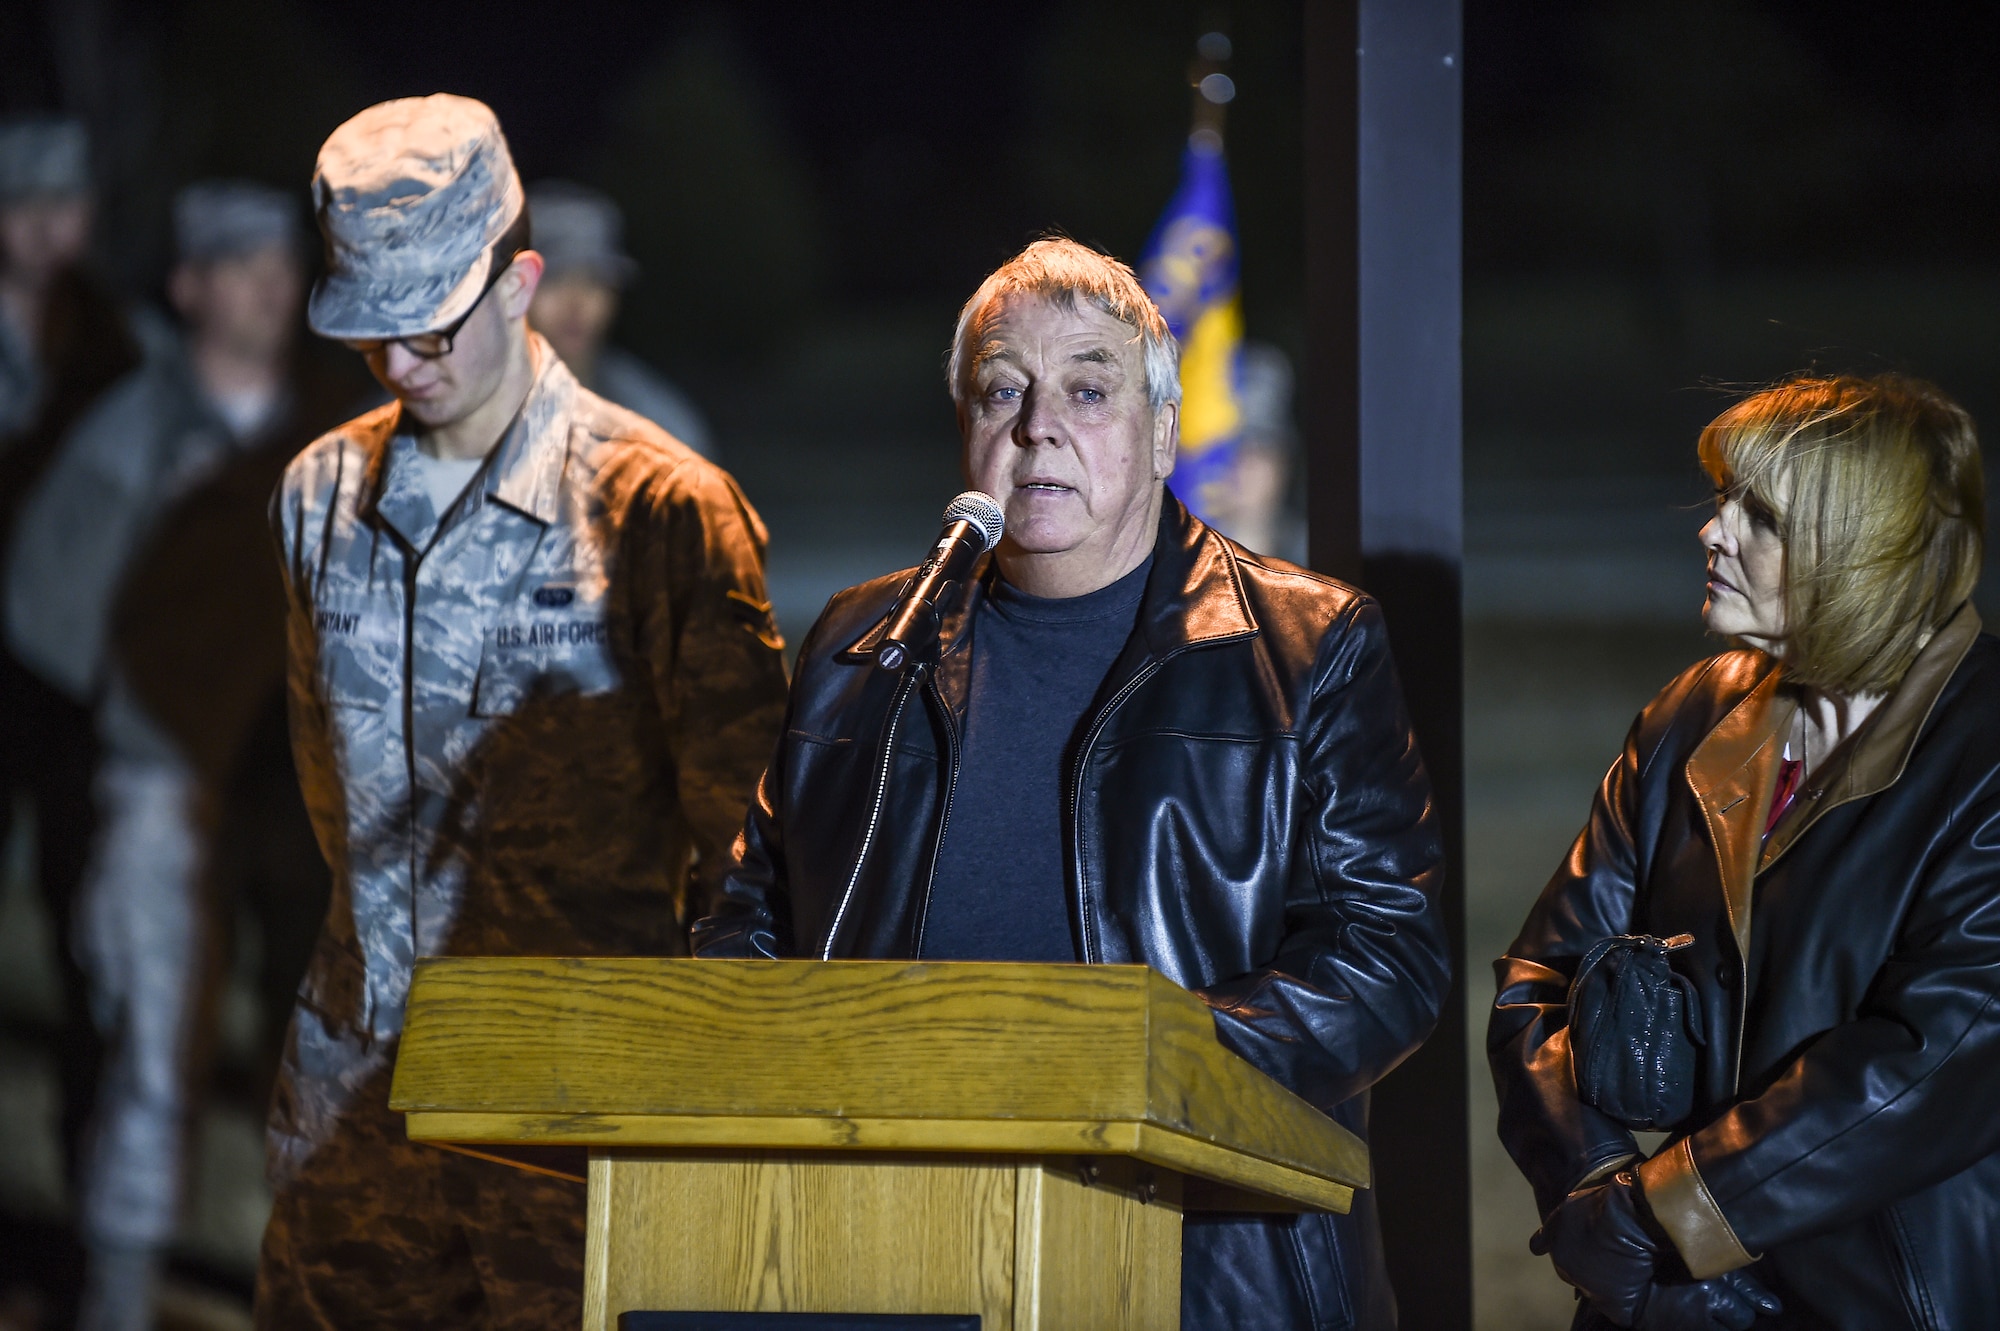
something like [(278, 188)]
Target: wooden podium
[(1015, 1142)]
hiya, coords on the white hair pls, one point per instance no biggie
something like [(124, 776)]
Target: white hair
[(1059, 269)]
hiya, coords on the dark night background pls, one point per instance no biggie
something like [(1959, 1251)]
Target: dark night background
[(1658, 198), (1662, 203)]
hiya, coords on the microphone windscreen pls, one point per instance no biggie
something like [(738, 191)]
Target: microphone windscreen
[(980, 509)]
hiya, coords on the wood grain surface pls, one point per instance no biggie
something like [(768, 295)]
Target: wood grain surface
[(1242, 1182), (1198, 1088), (1105, 1254), (1027, 1059), (1028, 1246)]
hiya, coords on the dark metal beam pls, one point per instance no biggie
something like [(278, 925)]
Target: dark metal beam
[(1330, 378), (1382, 416)]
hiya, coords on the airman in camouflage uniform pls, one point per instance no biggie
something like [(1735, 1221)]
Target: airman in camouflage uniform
[(521, 714)]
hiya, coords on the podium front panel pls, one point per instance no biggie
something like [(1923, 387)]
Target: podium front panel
[(1026, 1245)]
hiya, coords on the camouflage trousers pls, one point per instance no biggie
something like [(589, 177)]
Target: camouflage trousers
[(369, 1229)]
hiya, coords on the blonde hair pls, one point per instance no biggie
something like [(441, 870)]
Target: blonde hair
[(1877, 492), (1060, 269)]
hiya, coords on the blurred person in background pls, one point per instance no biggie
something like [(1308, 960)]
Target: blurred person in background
[(1777, 938), (533, 677), (63, 342), (62, 339), (1256, 500), (197, 637), (141, 932), (580, 235)]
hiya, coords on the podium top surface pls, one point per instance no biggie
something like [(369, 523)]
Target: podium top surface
[(859, 1055)]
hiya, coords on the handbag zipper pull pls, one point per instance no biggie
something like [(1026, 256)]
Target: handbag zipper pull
[(1677, 942)]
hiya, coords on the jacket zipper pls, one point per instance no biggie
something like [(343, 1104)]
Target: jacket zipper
[(1742, 1013), (944, 819), (412, 567), (875, 810), (1090, 950)]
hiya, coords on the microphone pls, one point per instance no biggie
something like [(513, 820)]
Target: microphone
[(972, 526)]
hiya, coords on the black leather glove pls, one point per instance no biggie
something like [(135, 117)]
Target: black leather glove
[(1604, 1241), (1730, 1301)]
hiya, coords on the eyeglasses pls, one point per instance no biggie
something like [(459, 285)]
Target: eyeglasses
[(437, 345)]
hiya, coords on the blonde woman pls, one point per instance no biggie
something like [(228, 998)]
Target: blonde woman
[(1777, 939)]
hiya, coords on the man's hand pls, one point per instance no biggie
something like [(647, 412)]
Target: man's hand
[(1729, 1302), (1603, 1241)]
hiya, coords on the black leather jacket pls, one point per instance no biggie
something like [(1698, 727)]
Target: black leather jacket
[(1247, 814), (1848, 969)]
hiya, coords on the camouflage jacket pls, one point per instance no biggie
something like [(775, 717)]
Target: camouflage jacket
[(520, 726)]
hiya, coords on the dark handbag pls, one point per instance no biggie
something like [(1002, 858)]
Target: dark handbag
[(1635, 1031)]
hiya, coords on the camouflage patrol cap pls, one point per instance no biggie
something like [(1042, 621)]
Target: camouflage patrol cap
[(221, 219), (412, 197), (43, 154), (579, 230)]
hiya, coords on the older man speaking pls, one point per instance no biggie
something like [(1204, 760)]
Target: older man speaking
[(1134, 741)]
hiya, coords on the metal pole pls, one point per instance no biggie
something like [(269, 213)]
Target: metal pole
[(1385, 476), (1330, 378)]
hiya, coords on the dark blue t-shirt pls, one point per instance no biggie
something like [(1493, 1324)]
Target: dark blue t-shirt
[(1037, 663)]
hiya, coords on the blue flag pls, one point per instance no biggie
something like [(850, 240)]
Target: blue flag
[(1189, 268)]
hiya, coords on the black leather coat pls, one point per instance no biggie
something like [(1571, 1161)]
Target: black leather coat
[(1848, 969), (1247, 814)]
